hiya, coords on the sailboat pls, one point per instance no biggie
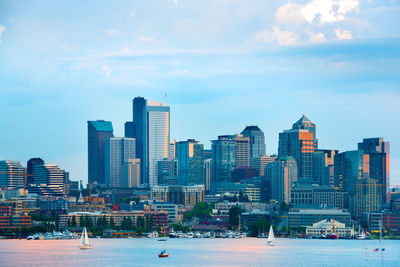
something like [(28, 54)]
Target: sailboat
[(271, 237), (84, 242)]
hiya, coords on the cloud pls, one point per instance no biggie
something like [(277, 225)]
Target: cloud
[(343, 34), (282, 37), (112, 32), (289, 14), (2, 29), (106, 71), (176, 2), (317, 37), (132, 14)]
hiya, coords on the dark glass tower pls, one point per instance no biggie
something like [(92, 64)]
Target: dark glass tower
[(379, 162), (29, 168), (257, 141), (98, 131)]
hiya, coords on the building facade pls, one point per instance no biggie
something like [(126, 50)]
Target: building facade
[(190, 162), (223, 160), (11, 174), (256, 142)]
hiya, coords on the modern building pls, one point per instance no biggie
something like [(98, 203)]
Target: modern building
[(98, 132), (316, 195), (282, 174), (379, 162), (242, 150), (118, 150), (167, 171), (172, 149), (131, 173), (11, 174), (303, 217), (327, 227), (171, 208), (152, 126), (259, 163), (367, 198), (130, 129), (188, 196), (300, 143), (190, 162), (223, 160), (208, 174), (323, 166), (242, 173), (29, 168), (257, 141), (48, 179)]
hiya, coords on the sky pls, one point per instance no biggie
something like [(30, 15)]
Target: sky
[(219, 64)]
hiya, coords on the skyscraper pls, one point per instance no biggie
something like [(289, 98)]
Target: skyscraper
[(367, 198), (379, 162), (190, 162), (259, 163), (152, 126), (282, 174), (50, 175), (257, 141), (117, 152), (323, 166), (130, 129), (208, 174), (131, 173), (242, 150), (223, 160), (14, 174), (305, 124), (29, 168), (98, 131)]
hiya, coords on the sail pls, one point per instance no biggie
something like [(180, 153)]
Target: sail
[(271, 237), (82, 242), (86, 238)]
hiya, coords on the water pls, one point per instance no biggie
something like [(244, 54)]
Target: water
[(199, 252)]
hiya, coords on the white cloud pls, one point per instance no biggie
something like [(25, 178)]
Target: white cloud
[(106, 71), (112, 32), (285, 37), (176, 2), (264, 36), (317, 37), (2, 29), (289, 14), (343, 34), (132, 14)]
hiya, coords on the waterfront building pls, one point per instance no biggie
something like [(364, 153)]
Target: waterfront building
[(188, 196), (131, 173), (379, 162), (303, 217), (256, 142), (11, 174), (117, 152), (315, 195), (300, 143), (190, 162), (327, 227), (223, 160), (250, 217), (11, 221), (98, 131), (171, 208), (152, 126), (323, 166), (259, 163), (282, 174), (367, 198), (29, 169)]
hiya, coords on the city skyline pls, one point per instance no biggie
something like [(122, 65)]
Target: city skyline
[(220, 66)]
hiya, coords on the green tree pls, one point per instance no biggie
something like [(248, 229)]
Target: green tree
[(126, 223), (234, 213), (112, 223), (73, 221), (259, 226)]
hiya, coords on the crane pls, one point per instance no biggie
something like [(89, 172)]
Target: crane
[(24, 174)]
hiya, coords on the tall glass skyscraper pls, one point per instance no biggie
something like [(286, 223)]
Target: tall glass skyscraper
[(98, 131), (223, 160), (117, 152), (257, 141), (152, 131), (14, 176), (190, 162), (29, 168)]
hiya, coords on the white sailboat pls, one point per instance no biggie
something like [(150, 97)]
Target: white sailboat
[(271, 237), (84, 242)]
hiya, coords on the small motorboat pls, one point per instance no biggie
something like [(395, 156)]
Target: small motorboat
[(163, 254)]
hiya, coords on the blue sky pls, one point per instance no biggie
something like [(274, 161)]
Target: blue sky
[(223, 64)]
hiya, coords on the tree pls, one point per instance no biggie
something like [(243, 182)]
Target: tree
[(126, 223), (73, 221), (243, 197), (259, 226), (140, 223), (112, 223), (234, 213)]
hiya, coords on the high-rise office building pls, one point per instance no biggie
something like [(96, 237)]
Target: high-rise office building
[(257, 141), (259, 163), (172, 149), (190, 162), (379, 162), (242, 150), (300, 143), (167, 172), (152, 126), (29, 168), (323, 166), (282, 174), (367, 198), (223, 160), (98, 131), (50, 175), (349, 166), (11, 174), (130, 129), (208, 174), (118, 151), (131, 173)]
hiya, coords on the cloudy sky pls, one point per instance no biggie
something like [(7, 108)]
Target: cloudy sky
[(223, 64)]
